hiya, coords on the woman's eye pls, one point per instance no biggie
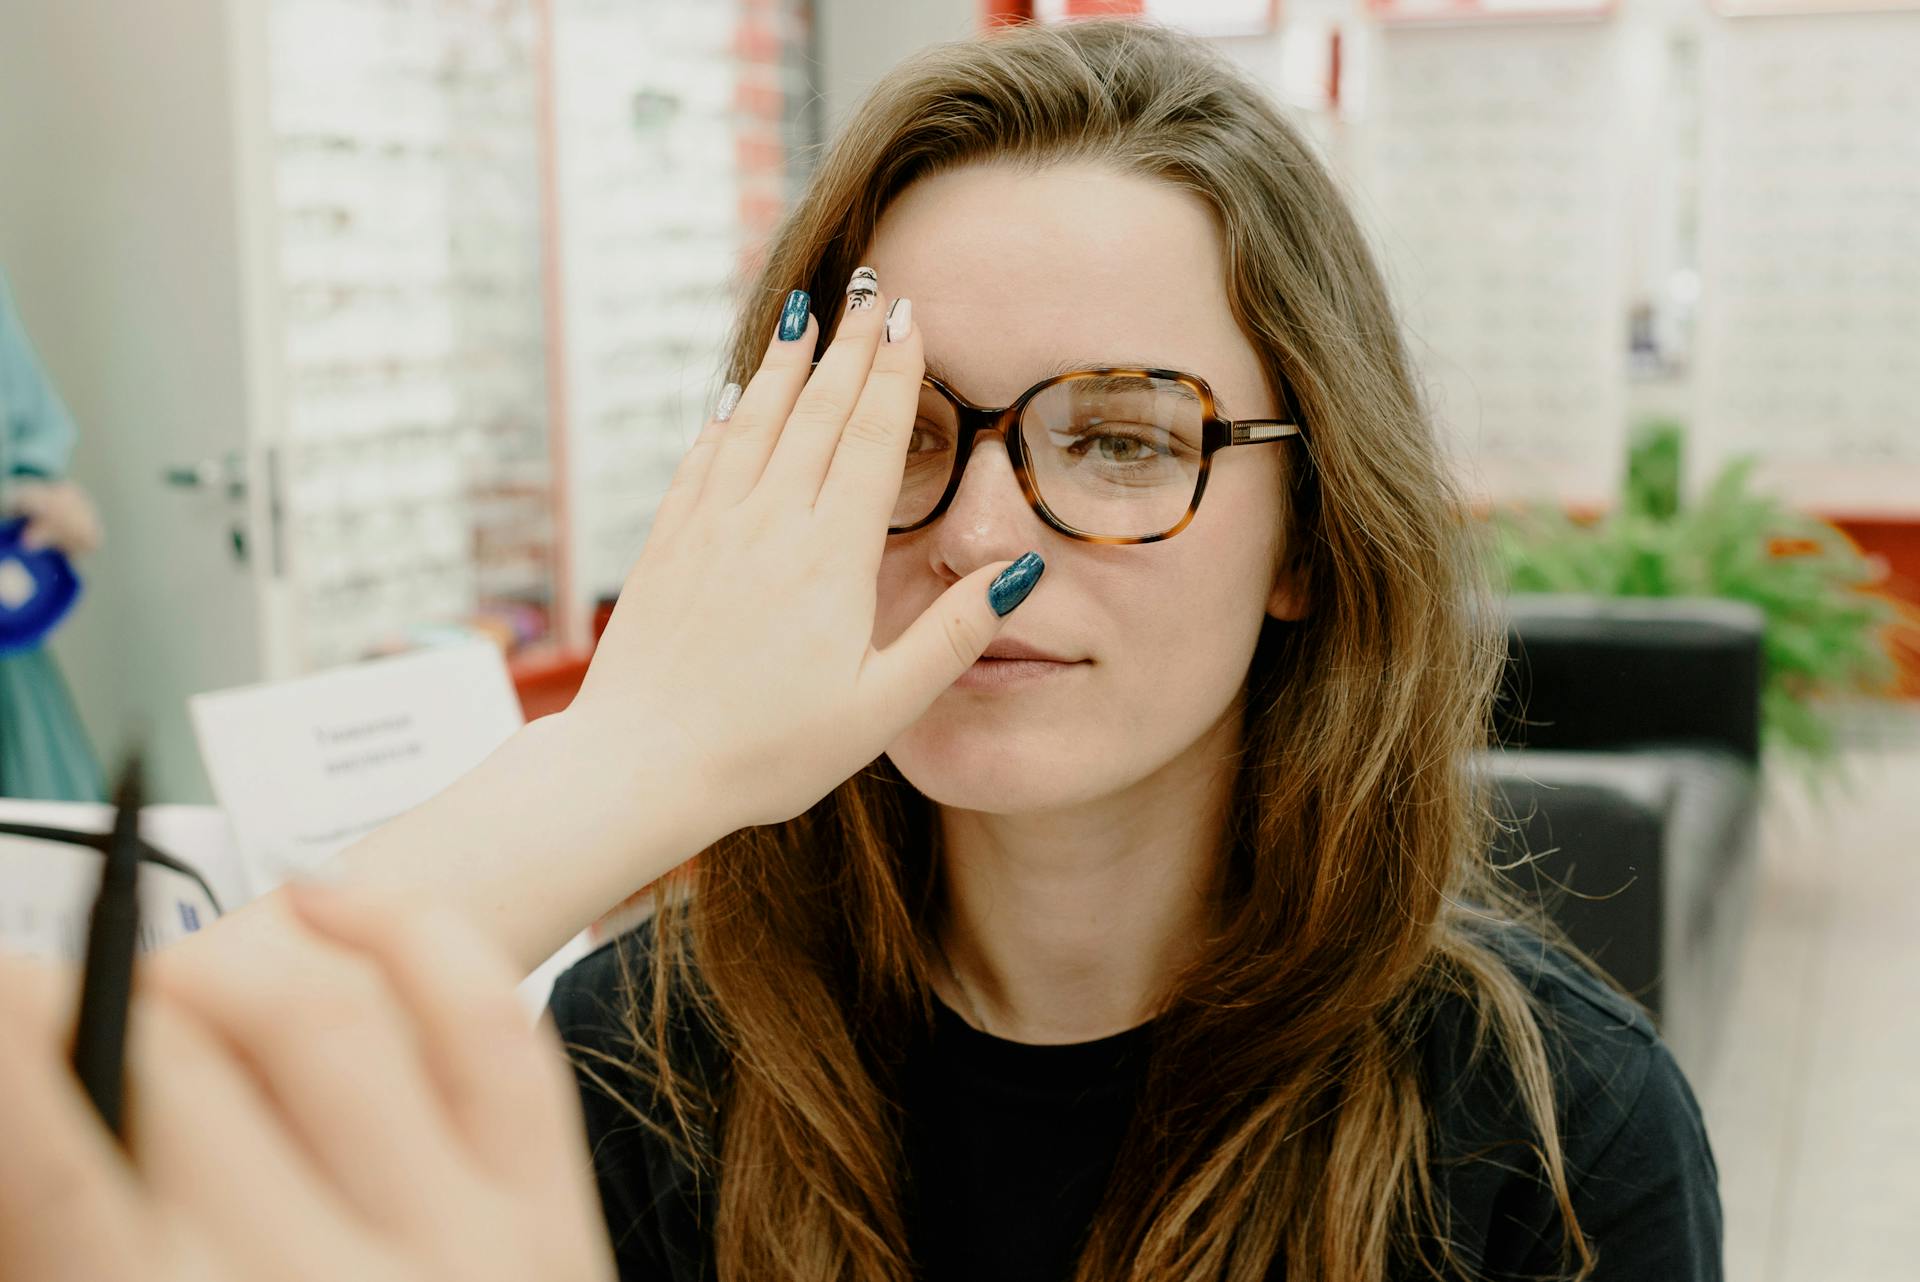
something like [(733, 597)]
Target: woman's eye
[(1127, 447), (1130, 449)]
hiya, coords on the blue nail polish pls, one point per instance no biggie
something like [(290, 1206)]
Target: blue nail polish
[(1014, 582), (793, 318)]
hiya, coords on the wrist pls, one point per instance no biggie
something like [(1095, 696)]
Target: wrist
[(625, 802), (558, 825), (649, 765)]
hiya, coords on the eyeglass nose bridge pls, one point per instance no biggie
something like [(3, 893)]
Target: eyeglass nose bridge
[(972, 421), (976, 419)]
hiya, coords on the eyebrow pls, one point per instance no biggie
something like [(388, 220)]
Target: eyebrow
[(941, 372)]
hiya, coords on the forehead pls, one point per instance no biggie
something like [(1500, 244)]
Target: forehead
[(1016, 276)]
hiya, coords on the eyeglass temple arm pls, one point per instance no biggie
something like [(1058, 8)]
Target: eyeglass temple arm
[(1247, 431)]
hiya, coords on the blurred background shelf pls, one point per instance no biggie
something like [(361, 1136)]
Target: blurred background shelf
[(426, 299)]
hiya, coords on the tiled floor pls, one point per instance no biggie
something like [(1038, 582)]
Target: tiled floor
[(1813, 1101)]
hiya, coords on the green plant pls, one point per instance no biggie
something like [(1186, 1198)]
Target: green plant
[(1824, 635)]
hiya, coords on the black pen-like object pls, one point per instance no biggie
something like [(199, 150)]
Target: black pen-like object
[(106, 986)]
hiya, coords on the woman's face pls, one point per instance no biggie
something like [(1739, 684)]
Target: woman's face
[(1010, 275)]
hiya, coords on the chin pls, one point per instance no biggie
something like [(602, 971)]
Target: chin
[(990, 770)]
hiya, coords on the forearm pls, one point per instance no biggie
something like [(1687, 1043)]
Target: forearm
[(532, 845)]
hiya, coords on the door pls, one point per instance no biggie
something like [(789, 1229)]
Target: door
[(133, 223)]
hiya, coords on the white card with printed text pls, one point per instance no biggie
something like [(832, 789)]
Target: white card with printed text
[(305, 767)]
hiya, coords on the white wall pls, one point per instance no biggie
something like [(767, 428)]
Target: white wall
[(858, 41)]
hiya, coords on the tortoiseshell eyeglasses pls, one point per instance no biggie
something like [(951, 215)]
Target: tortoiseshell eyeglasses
[(1117, 454)]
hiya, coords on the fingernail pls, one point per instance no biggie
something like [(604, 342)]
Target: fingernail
[(899, 319), (1014, 582), (863, 289), (729, 399), (793, 318)]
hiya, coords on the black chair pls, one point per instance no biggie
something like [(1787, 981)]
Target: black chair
[(1627, 759)]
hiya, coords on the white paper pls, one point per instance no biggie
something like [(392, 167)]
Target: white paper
[(47, 889), (305, 767)]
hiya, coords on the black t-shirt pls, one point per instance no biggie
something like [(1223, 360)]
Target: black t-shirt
[(1010, 1144)]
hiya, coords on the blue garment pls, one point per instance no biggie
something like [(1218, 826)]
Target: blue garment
[(44, 752)]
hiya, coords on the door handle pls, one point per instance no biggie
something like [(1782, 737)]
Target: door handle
[(228, 474)]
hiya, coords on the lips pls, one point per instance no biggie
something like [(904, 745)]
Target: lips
[(1006, 674), (1005, 648)]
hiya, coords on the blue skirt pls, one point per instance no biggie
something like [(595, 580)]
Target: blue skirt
[(44, 751)]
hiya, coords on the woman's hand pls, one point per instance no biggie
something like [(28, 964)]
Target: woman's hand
[(746, 626), (59, 514), (365, 1098), (736, 683)]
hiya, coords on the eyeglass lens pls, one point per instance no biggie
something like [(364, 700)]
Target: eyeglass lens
[(1115, 455)]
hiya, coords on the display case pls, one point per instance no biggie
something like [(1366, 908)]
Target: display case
[(381, 318)]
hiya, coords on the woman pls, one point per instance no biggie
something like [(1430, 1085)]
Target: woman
[(1177, 960), (44, 751), (1181, 959)]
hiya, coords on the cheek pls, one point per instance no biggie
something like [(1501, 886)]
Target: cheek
[(1170, 639), (1192, 624)]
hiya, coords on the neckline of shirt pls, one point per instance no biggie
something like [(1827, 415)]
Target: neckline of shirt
[(1036, 1063)]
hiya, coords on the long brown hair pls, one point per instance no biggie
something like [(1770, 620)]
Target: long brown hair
[(1284, 1111)]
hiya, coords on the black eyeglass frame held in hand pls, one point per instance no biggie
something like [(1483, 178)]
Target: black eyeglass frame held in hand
[(1217, 433)]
